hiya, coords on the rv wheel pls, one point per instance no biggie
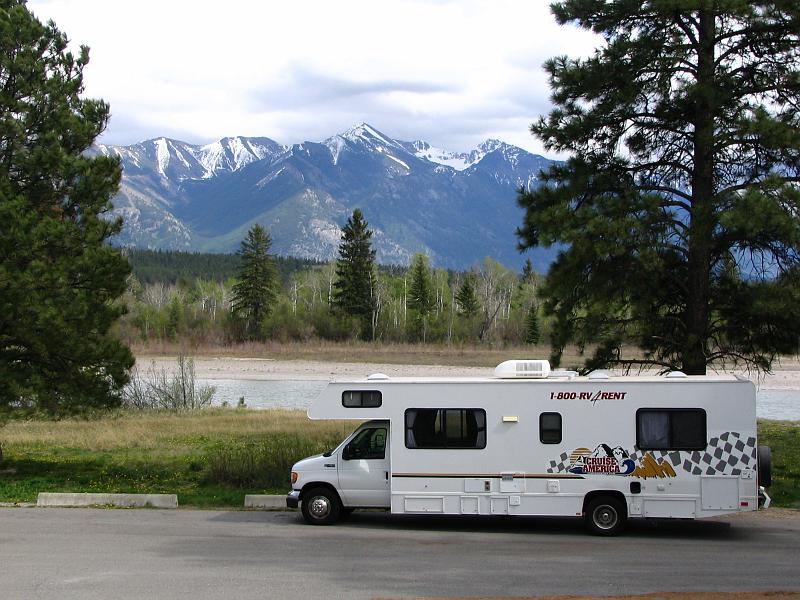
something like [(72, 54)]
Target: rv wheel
[(605, 515), (320, 506)]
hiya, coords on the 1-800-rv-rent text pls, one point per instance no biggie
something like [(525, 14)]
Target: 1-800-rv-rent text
[(534, 442)]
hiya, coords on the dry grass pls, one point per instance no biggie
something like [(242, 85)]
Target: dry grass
[(405, 354), (410, 354), (126, 430)]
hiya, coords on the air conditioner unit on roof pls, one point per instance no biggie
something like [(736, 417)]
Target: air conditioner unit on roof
[(528, 369)]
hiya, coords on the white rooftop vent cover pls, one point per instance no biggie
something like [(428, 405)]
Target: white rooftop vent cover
[(676, 375), (599, 375), (377, 377), (527, 369)]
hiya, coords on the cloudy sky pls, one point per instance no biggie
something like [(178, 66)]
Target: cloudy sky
[(451, 72)]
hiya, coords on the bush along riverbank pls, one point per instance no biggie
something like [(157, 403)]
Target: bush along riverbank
[(214, 457)]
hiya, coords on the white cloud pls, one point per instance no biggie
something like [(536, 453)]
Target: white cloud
[(452, 72)]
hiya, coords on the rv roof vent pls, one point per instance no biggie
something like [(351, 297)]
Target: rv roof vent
[(512, 369), (676, 375), (599, 375), (377, 377)]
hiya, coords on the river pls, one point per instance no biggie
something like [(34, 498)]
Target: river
[(779, 404)]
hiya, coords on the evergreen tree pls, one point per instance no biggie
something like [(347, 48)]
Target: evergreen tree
[(532, 333), (527, 272), (256, 287), (685, 141), (420, 293), (467, 298), (59, 277), (354, 289)]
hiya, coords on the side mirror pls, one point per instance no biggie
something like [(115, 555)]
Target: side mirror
[(346, 453)]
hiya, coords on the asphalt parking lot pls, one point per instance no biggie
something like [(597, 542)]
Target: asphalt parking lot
[(112, 553)]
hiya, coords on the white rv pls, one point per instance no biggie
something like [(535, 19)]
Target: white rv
[(532, 442)]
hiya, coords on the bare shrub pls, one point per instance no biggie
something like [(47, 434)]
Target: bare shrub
[(159, 389)]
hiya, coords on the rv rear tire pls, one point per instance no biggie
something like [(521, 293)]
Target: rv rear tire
[(605, 515), (320, 506)]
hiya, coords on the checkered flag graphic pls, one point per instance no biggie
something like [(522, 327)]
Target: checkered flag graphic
[(728, 454)]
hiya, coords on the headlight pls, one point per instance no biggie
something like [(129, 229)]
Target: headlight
[(294, 477)]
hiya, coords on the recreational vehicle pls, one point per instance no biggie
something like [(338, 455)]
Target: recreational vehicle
[(529, 441)]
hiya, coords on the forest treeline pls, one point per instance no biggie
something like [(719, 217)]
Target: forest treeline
[(186, 297)]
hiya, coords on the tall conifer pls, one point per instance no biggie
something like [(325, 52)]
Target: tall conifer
[(467, 298), (354, 289), (256, 287), (59, 277), (684, 135)]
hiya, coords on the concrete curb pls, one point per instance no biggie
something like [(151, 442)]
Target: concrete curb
[(120, 500), (265, 501)]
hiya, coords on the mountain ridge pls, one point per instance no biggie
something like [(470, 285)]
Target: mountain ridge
[(456, 207)]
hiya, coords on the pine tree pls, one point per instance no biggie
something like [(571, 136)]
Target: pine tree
[(532, 332), (354, 289), (420, 293), (527, 272), (467, 298), (256, 286), (59, 278), (684, 134)]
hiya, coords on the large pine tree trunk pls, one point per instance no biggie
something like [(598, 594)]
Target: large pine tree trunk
[(701, 228)]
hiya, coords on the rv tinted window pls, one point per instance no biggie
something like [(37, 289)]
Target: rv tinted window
[(446, 428), (368, 444), (550, 428), (671, 429), (361, 399)]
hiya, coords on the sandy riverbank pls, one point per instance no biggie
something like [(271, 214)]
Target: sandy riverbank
[(785, 377)]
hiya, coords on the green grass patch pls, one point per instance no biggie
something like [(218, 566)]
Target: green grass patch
[(208, 458), (783, 438), (212, 458)]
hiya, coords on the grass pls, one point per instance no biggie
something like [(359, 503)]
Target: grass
[(783, 438), (213, 457), (209, 458)]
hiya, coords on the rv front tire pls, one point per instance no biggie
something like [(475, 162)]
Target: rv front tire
[(605, 515), (320, 506)]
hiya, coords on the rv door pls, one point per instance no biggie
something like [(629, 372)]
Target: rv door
[(364, 468)]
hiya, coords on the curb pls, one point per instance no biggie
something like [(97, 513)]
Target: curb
[(119, 500), (265, 501)]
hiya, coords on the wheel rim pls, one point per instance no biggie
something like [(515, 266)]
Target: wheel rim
[(605, 517), (319, 507)]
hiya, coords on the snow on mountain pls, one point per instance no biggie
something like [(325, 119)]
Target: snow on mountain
[(232, 154), (457, 161), (179, 161), (458, 207)]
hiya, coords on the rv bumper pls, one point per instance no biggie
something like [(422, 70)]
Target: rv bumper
[(763, 500), (293, 499)]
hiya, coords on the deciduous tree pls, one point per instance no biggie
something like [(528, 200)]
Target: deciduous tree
[(678, 209)]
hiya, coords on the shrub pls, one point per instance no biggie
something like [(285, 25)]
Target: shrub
[(159, 390), (263, 463)]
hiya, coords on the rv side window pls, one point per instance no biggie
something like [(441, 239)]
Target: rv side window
[(446, 428), (550, 428), (368, 444), (362, 399), (671, 429)]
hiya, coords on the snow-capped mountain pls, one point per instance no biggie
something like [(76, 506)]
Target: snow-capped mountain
[(456, 207), (178, 160)]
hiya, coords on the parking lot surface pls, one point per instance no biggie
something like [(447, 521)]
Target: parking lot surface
[(107, 553)]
